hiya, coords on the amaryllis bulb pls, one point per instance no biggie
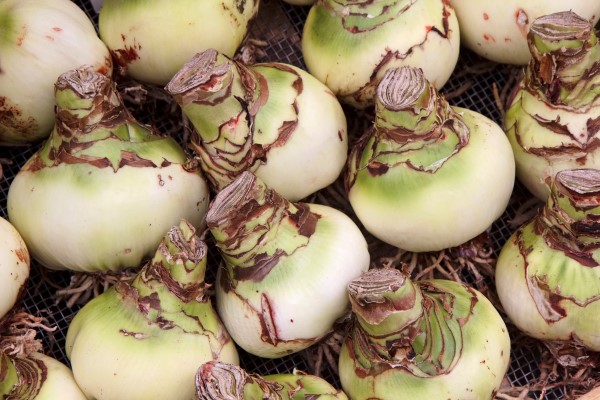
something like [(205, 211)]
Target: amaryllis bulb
[(427, 176), (146, 339), (434, 339), (273, 119), (282, 285), (553, 117), (40, 40), (547, 272), (350, 45), (103, 189)]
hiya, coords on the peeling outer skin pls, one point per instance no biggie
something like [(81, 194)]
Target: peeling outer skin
[(247, 199), (498, 30), (424, 147), (565, 61), (258, 332), (569, 221), (153, 53), (351, 59), (146, 325), (221, 158), (309, 387), (187, 285), (549, 138), (549, 292), (475, 371), (40, 40), (312, 137), (93, 127)]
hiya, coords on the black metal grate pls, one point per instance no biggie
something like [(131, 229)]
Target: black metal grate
[(282, 36)]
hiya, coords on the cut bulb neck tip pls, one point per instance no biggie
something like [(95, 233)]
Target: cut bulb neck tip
[(86, 82), (561, 26), (375, 284), (580, 181), (401, 88), (214, 377), (198, 72), (231, 198)]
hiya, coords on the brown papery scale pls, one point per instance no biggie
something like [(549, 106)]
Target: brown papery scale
[(246, 199), (220, 381), (558, 42), (576, 194)]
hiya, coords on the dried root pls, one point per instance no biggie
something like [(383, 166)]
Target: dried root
[(4, 161), (18, 332), (252, 51), (327, 351), (85, 286)]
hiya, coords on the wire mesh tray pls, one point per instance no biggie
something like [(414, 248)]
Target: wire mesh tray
[(476, 84)]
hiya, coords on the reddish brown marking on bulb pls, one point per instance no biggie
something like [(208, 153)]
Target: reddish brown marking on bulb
[(486, 16), (133, 160), (212, 82), (103, 69), (12, 118), (50, 37), (593, 126), (127, 54), (269, 330), (489, 38), (263, 264), (377, 168), (21, 37), (428, 28), (507, 39), (22, 254), (57, 29)]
